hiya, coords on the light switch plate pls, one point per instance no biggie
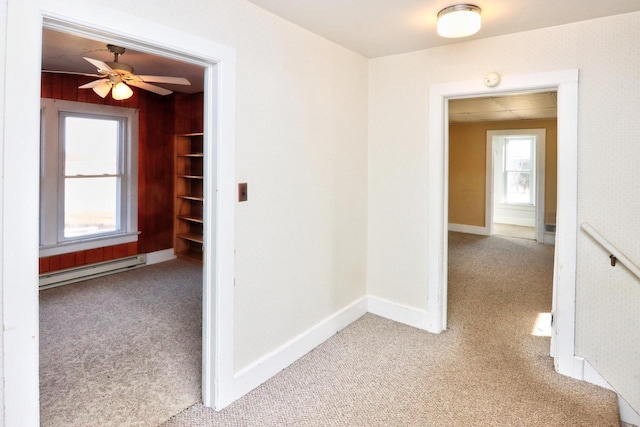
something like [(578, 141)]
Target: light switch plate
[(242, 192)]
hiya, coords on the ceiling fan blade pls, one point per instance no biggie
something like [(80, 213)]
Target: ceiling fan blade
[(100, 87), (151, 88), (91, 84), (101, 66), (72, 72), (164, 79)]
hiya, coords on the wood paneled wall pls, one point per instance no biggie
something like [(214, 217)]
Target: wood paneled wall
[(90, 256), (188, 112), (160, 117)]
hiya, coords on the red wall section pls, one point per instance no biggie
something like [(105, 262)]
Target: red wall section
[(158, 119), (90, 256)]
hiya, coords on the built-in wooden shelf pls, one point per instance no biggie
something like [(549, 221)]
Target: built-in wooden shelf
[(192, 218), (192, 237), (191, 197), (190, 255), (189, 187)]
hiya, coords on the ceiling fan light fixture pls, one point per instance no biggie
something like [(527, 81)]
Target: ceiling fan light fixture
[(102, 89), (460, 20), (113, 76), (121, 91)]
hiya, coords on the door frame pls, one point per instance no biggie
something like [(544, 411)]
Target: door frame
[(20, 187), (540, 165), (565, 82)]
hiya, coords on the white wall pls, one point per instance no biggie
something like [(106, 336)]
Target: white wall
[(3, 27), (605, 51), (301, 146), (524, 216), (301, 143), (305, 111)]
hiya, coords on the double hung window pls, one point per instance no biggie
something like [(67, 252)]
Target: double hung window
[(88, 176), (519, 172)]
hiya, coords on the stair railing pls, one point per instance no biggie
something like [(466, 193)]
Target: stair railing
[(615, 254)]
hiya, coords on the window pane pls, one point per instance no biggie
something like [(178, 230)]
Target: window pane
[(518, 187), (518, 154), (91, 146), (90, 206)]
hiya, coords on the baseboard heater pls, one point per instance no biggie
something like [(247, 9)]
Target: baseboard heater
[(76, 274)]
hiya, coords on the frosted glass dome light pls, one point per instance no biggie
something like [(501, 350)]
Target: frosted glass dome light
[(460, 20), (121, 91)]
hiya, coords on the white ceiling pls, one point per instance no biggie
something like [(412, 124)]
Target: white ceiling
[(515, 107), (64, 52), (370, 27), (376, 28)]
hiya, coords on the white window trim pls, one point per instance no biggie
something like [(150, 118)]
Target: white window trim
[(50, 212), (540, 157), (531, 170)]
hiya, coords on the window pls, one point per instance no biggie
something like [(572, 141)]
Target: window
[(88, 168), (519, 170)]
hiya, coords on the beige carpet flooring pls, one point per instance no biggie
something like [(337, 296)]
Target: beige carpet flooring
[(487, 369), (121, 350)]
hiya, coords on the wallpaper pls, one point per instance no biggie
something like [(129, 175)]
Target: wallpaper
[(605, 52), (334, 150)]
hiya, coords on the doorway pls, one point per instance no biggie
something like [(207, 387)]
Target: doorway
[(497, 178), (515, 182), (21, 188), (82, 129), (566, 84)]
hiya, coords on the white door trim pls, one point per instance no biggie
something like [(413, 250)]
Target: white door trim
[(566, 84), (20, 187), (540, 164)]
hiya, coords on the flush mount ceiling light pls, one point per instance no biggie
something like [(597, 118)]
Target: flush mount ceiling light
[(460, 20)]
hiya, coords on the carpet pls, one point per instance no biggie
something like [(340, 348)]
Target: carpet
[(486, 369), (121, 350)]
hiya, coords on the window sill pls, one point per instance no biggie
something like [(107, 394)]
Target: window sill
[(98, 242), (519, 206)]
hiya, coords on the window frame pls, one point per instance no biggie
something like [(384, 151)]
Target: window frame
[(52, 177), (531, 170)]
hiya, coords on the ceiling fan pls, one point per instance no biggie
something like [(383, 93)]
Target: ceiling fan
[(116, 77)]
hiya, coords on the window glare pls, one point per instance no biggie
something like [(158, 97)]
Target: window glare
[(90, 206), (518, 154), (91, 146), (519, 184), (542, 325)]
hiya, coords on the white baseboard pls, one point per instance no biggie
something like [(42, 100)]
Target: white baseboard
[(399, 313), (160, 256), (469, 229), (590, 375), (549, 238), (583, 370), (270, 364), (627, 413)]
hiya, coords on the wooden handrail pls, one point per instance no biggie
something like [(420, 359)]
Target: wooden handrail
[(614, 253)]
